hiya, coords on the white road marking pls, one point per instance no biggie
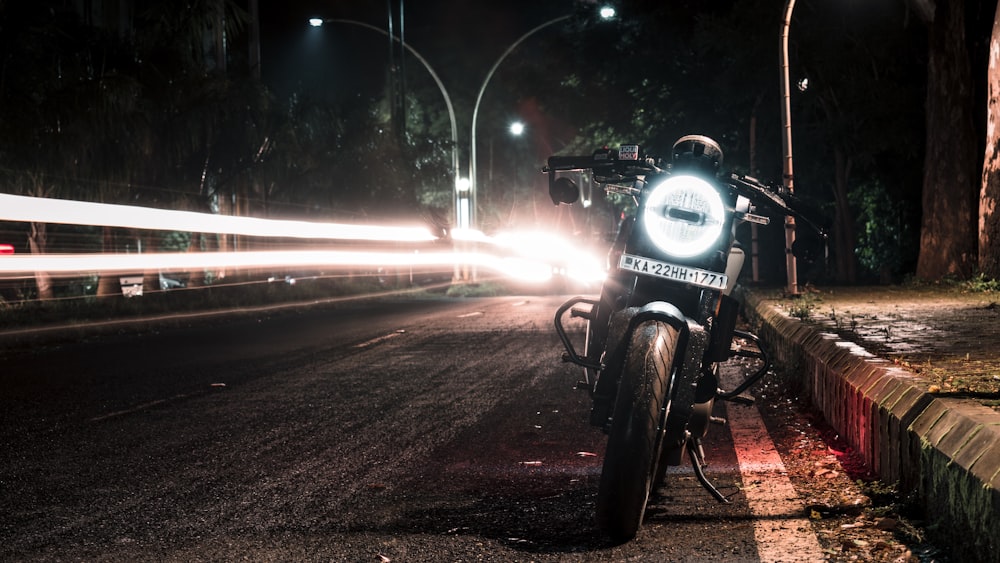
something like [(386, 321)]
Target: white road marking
[(781, 529), (378, 339), (138, 408)]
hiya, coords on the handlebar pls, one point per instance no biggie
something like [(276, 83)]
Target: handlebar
[(565, 163), (776, 199), (627, 163), (622, 160)]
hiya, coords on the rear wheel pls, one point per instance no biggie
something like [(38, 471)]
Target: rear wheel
[(633, 439)]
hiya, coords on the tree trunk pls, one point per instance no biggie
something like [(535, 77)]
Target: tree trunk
[(108, 283), (948, 229), (197, 276), (37, 243), (989, 221), (38, 236), (150, 278), (844, 236)]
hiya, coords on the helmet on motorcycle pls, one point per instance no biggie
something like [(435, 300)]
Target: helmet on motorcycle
[(698, 152)]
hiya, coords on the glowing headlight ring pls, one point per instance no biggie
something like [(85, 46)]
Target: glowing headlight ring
[(684, 216)]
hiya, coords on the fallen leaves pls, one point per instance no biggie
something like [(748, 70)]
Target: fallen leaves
[(826, 469)]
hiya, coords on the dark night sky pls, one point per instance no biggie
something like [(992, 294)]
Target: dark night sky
[(460, 39)]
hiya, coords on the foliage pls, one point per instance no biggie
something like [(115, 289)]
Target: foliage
[(153, 117), (981, 283), (663, 70), (886, 241), (485, 289), (802, 306)]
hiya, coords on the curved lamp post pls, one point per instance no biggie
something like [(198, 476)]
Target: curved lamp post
[(606, 13), (786, 145), (317, 22), (479, 98)]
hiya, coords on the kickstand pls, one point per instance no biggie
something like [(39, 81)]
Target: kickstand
[(697, 455)]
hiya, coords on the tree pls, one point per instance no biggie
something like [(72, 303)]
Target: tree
[(684, 67), (948, 231), (989, 214), (37, 132), (855, 121)]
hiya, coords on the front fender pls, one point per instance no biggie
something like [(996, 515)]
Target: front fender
[(691, 346), (623, 324)]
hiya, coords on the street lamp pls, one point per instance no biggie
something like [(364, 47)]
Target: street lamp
[(456, 187), (786, 145), (479, 98), (605, 13)]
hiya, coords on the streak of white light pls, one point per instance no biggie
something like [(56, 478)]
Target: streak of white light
[(572, 259), (532, 255), (470, 235), (590, 273), (65, 264), (524, 270), (46, 210)]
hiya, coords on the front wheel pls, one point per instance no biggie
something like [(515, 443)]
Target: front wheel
[(634, 438)]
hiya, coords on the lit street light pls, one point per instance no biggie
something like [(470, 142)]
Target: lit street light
[(606, 13)]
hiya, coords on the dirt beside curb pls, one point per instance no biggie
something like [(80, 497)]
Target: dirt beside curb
[(948, 336)]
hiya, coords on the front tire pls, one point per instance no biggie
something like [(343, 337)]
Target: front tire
[(634, 437)]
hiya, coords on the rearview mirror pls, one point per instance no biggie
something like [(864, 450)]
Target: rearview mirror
[(563, 190)]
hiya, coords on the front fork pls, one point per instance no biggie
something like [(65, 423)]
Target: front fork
[(694, 397)]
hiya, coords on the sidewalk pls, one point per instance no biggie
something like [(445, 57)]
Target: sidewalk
[(910, 377)]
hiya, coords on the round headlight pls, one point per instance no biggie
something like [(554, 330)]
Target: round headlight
[(683, 216)]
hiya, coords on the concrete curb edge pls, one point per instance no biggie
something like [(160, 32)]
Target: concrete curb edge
[(945, 450)]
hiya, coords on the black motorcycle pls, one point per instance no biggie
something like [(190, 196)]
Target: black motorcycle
[(666, 317)]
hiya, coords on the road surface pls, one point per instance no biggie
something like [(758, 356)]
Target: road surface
[(425, 429)]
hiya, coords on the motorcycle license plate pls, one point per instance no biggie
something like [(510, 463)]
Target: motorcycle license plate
[(683, 274)]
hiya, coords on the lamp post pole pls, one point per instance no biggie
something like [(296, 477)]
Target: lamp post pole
[(316, 22), (605, 12), (786, 145), (475, 110)]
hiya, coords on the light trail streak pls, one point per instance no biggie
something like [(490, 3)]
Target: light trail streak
[(46, 210), (567, 257), (526, 255), (69, 264)]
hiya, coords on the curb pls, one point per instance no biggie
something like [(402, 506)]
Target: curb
[(946, 451)]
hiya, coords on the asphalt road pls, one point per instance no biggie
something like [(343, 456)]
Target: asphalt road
[(406, 430)]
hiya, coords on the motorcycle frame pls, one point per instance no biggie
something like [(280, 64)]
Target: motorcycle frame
[(629, 299), (703, 318)]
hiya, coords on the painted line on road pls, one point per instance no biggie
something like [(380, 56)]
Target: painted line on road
[(138, 408), (378, 339), (781, 529)]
